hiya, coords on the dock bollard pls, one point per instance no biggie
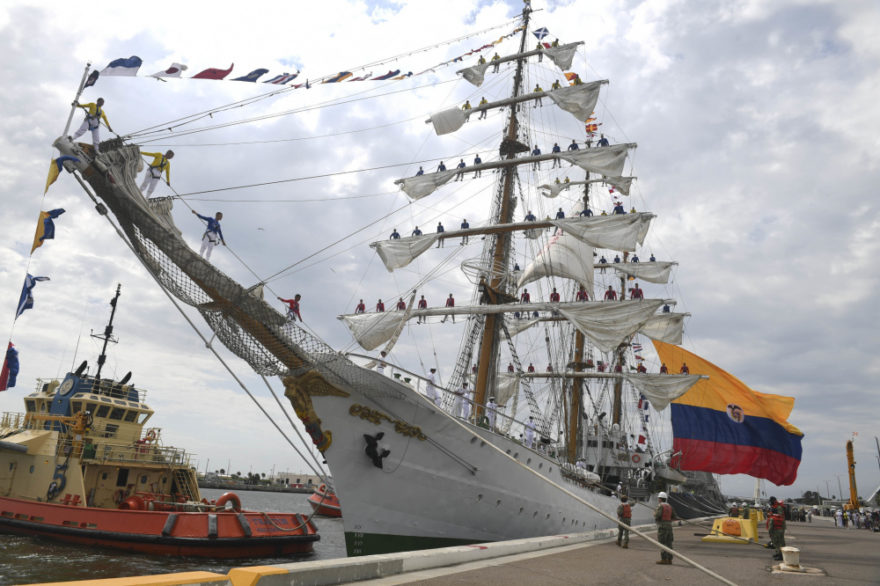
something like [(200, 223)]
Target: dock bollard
[(791, 557)]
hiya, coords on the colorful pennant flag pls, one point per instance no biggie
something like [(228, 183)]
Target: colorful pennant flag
[(253, 76), (55, 169), (9, 372), (721, 425), (173, 71), (213, 73), (388, 75), (122, 66), (540, 33), (341, 76), (283, 78), (26, 301), (45, 227)]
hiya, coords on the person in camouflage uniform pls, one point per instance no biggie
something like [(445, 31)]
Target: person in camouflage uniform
[(624, 516), (776, 526), (664, 516)]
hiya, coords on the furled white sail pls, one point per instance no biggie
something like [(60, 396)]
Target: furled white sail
[(661, 389), (665, 327), (397, 253), (653, 272), (615, 232), (579, 100), (562, 56), (475, 74), (564, 256), (621, 184), (449, 120), (371, 330), (605, 160), (506, 386), (517, 326), (421, 185), (609, 323), (552, 190)]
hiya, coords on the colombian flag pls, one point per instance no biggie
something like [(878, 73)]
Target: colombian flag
[(720, 425)]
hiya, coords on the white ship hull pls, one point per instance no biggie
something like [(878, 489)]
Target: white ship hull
[(460, 484)]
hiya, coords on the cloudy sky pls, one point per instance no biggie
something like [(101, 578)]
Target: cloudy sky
[(758, 150)]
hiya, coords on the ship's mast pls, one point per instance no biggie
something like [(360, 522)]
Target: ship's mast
[(108, 333), (501, 254)]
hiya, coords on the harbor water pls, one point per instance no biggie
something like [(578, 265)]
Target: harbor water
[(27, 560)]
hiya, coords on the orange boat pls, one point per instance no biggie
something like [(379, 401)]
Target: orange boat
[(80, 466), (324, 502)]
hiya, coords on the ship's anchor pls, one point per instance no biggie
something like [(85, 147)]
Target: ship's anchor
[(372, 449)]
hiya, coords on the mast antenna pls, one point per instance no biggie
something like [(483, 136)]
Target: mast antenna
[(107, 336)]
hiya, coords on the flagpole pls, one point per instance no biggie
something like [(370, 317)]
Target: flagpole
[(79, 91)]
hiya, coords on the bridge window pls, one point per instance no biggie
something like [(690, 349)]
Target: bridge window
[(117, 413), (103, 410), (131, 416)]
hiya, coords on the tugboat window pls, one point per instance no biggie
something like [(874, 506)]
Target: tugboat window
[(31, 406), (130, 416), (103, 410), (104, 476), (122, 477), (77, 406), (117, 413)]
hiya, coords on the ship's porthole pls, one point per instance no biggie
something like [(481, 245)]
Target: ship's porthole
[(516, 454), (508, 452), (31, 469), (529, 461), (479, 497), (563, 519), (540, 465), (498, 503), (548, 516), (550, 470), (521, 509), (482, 443), (535, 514), (473, 440)]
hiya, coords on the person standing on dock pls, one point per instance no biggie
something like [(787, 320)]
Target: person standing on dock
[(776, 526), (213, 234), (624, 517), (664, 515), (159, 164), (92, 122)]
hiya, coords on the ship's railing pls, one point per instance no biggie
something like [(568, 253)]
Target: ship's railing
[(104, 386), (12, 421), (143, 453)]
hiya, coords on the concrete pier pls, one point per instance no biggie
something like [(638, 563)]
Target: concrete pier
[(828, 554)]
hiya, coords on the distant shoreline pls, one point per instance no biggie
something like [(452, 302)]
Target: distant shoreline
[(254, 487)]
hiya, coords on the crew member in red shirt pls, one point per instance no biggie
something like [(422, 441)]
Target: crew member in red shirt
[(450, 302), (380, 307), (684, 369), (554, 296), (360, 307), (610, 294), (581, 294), (636, 292), (292, 307), (401, 305), (525, 297), (423, 304)]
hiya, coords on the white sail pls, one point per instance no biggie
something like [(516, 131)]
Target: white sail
[(608, 323), (621, 184), (506, 386), (605, 160), (615, 232), (661, 389), (563, 256), (517, 326), (579, 100), (552, 190), (653, 272), (421, 185), (397, 253), (665, 327), (449, 120), (562, 56), (371, 330), (475, 74)]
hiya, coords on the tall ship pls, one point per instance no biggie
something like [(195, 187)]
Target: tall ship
[(545, 419), (83, 465)]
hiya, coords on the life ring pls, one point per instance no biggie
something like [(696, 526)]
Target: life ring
[(151, 435), (636, 458), (229, 497)]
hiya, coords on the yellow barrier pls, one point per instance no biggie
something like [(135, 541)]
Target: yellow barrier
[(178, 579), (734, 530)]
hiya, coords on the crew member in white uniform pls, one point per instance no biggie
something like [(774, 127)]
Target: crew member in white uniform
[(431, 389), (530, 433), (459, 407), (491, 408)]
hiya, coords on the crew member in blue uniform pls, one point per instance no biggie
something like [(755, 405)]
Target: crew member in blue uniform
[(213, 234)]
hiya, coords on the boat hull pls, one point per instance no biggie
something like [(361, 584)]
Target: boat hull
[(217, 535), (444, 482), (325, 504)]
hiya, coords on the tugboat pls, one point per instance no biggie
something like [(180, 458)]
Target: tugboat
[(81, 466)]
